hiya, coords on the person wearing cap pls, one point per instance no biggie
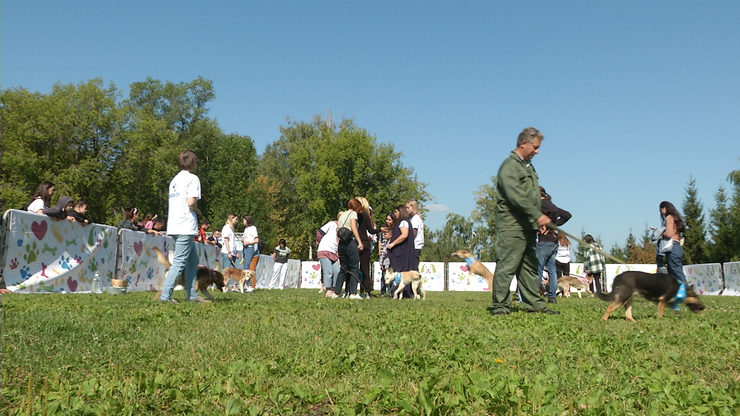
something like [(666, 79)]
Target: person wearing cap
[(547, 244), (518, 218)]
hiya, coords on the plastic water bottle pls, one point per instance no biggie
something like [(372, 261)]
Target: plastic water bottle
[(97, 287)]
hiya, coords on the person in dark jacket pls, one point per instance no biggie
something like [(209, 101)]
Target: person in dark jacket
[(547, 243)]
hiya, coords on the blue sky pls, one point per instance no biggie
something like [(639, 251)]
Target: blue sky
[(633, 97)]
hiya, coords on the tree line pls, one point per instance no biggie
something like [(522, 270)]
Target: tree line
[(116, 151)]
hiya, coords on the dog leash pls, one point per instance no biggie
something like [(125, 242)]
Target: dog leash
[(560, 230)]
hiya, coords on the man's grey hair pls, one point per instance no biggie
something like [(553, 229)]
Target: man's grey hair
[(528, 135)]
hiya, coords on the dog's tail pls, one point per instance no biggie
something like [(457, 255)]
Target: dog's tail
[(161, 257), (605, 296)]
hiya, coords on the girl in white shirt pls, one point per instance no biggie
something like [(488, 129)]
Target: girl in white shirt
[(41, 198), (228, 248)]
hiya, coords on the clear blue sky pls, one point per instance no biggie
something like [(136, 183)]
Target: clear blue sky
[(633, 97)]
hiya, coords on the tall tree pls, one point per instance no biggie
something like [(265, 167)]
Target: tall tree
[(456, 234), (695, 245), (722, 232), (317, 167)]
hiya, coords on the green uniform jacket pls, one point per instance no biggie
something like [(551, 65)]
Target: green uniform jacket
[(518, 203)]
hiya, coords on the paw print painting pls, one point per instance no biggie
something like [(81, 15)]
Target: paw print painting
[(31, 253), (64, 262), (25, 273), (14, 263)]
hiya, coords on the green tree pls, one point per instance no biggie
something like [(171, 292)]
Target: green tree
[(69, 136), (483, 243), (317, 167), (457, 234), (695, 236), (722, 232)]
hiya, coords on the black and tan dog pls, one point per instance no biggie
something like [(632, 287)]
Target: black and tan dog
[(203, 279), (402, 279), (660, 288), (475, 266)]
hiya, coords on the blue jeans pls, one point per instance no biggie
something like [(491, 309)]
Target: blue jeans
[(185, 260), (675, 263), (329, 272), (225, 262), (546, 252), (249, 253)]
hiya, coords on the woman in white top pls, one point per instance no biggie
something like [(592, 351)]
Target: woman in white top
[(228, 247), (182, 225), (41, 198), (250, 241), (326, 252), (562, 258), (417, 225)]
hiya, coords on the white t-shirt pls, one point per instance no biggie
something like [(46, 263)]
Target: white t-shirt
[(563, 255), (250, 234), (329, 241), (417, 223), (227, 232), (180, 219), (36, 205)]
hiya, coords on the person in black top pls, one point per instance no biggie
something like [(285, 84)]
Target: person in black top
[(365, 227), (547, 243), (79, 213)]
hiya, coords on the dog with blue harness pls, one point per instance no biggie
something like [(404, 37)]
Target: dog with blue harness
[(403, 279)]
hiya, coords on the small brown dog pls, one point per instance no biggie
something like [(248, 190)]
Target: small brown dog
[(566, 282), (475, 266), (204, 278), (238, 275), (404, 278), (660, 288)]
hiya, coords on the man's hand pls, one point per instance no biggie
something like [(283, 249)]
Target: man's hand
[(542, 222)]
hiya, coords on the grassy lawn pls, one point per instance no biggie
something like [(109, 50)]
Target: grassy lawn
[(296, 352)]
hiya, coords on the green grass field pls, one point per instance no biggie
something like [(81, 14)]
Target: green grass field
[(296, 352)]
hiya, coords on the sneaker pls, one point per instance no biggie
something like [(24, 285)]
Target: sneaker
[(249, 289), (355, 297), (199, 300), (334, 295), (552, 300), (321, 290), (681, 294), (168, 301), (498, 312), (675, 306), (329, 293)]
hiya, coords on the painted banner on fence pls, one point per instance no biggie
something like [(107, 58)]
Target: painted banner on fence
[(612, 270), (137, 261), (732, 278), (310, 275), (433, 276), (461, 279), (706, 278), (44, 255)]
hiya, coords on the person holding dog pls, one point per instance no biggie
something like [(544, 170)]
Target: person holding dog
[(518, 218), (547, 244), (182, 225), (228, 249)]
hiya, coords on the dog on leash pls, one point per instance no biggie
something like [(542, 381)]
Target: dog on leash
[(203, 278), (402, 279), (660, 288), (238, 275), (567, 282), (475, 266)]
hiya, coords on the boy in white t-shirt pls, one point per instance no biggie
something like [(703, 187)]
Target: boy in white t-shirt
[(182, 225)]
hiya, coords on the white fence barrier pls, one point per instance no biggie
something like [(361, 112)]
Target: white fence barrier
[(42, 255)]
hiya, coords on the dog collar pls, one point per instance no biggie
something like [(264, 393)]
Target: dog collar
[(470, 261), (398, 278)]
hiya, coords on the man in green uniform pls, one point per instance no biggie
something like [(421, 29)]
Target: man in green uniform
[(518, 218)]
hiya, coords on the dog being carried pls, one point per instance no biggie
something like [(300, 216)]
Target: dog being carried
[(660, 288)]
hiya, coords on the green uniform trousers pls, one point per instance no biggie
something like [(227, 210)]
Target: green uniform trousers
[(516, 254)]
